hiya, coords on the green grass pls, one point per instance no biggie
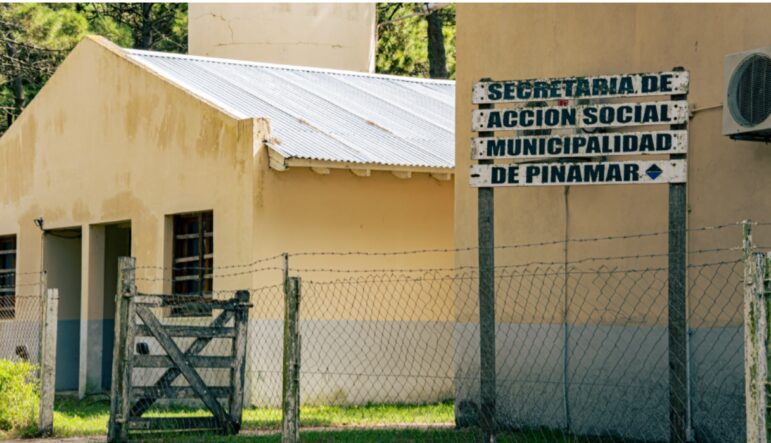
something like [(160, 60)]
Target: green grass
[(371, 423), (80, 418)]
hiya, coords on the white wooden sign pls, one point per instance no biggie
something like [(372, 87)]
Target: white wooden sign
[(603, 86), (570, 174), (580, 145), (586, 116)]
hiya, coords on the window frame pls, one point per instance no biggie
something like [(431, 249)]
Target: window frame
[(192, 251), (8, 275)]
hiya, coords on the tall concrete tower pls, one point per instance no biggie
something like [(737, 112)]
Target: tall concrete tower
[(325, 35)]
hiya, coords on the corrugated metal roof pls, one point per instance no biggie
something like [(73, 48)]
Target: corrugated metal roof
[(323, 114)]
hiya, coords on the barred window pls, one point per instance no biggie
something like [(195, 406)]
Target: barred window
[(7, 276), (193, 256)]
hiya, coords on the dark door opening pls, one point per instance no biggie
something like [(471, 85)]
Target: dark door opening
[(117, 243), (62, 258)]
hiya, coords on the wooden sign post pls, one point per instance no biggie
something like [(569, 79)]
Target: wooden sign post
[(575, 153)]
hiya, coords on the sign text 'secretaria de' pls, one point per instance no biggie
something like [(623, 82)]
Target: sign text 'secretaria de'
[(603, 86)]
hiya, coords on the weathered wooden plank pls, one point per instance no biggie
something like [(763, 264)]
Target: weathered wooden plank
[(600, 86), (184, 364), (191, 331), (290, 429), (177, 391), (579, 174), (192, 258), (239, 355), (603, 115), (148, 300), (48, 362), (486, 261), (171, 374), (121, 359), (187, 236), (677, 312), (530, 147), (163, 361), (171, 423), (193, 236), (174, 300)]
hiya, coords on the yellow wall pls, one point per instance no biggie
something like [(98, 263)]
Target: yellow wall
[(300, 211), (325, 35), (726, 178), (107, 141)]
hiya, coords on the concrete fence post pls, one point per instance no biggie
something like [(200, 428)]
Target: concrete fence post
[(48, 361), (290, 429), (756, 339)]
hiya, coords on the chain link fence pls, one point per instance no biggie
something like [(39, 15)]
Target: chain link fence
[(28, 334), (389, 343), (20, 316)]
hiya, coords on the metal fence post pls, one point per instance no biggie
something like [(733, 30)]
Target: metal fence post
[(48, 362), (123, 350), (291, 373)]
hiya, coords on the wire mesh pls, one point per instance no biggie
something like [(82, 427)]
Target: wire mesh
[(390, 341), (20, 317)]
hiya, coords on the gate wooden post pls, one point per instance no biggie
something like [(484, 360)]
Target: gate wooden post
[(48, 362), (291, 377), (125, 318), (239, 355)]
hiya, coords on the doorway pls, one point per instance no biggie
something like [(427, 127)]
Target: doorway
[(117, 243), (62, 258)]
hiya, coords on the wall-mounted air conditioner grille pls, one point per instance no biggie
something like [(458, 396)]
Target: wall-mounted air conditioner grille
[(747, 110), (749, 90)]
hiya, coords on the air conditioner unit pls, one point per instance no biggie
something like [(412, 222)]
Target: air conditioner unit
[(747, 96)]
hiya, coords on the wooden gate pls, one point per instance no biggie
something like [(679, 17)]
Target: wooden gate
[(135, 317)]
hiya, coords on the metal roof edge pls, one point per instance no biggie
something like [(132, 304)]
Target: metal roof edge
[(123, 54), (289, 67), (280, 162)]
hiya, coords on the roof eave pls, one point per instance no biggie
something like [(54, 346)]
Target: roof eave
[(279, 162)]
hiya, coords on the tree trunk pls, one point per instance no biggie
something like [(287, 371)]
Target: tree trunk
[(18, 96), (437, 59), (146, 37), (17, 87)]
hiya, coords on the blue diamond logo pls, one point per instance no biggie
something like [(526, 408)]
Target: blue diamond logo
[(653, 172)]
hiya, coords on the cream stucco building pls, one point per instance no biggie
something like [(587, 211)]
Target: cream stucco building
[(325, 35), (616, 366), (133, 153)]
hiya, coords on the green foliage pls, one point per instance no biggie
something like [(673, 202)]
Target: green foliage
[(19, 397), (402, 44), (156, 26), (35, 38)]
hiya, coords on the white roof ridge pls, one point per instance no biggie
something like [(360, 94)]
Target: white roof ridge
[(288, 67)]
